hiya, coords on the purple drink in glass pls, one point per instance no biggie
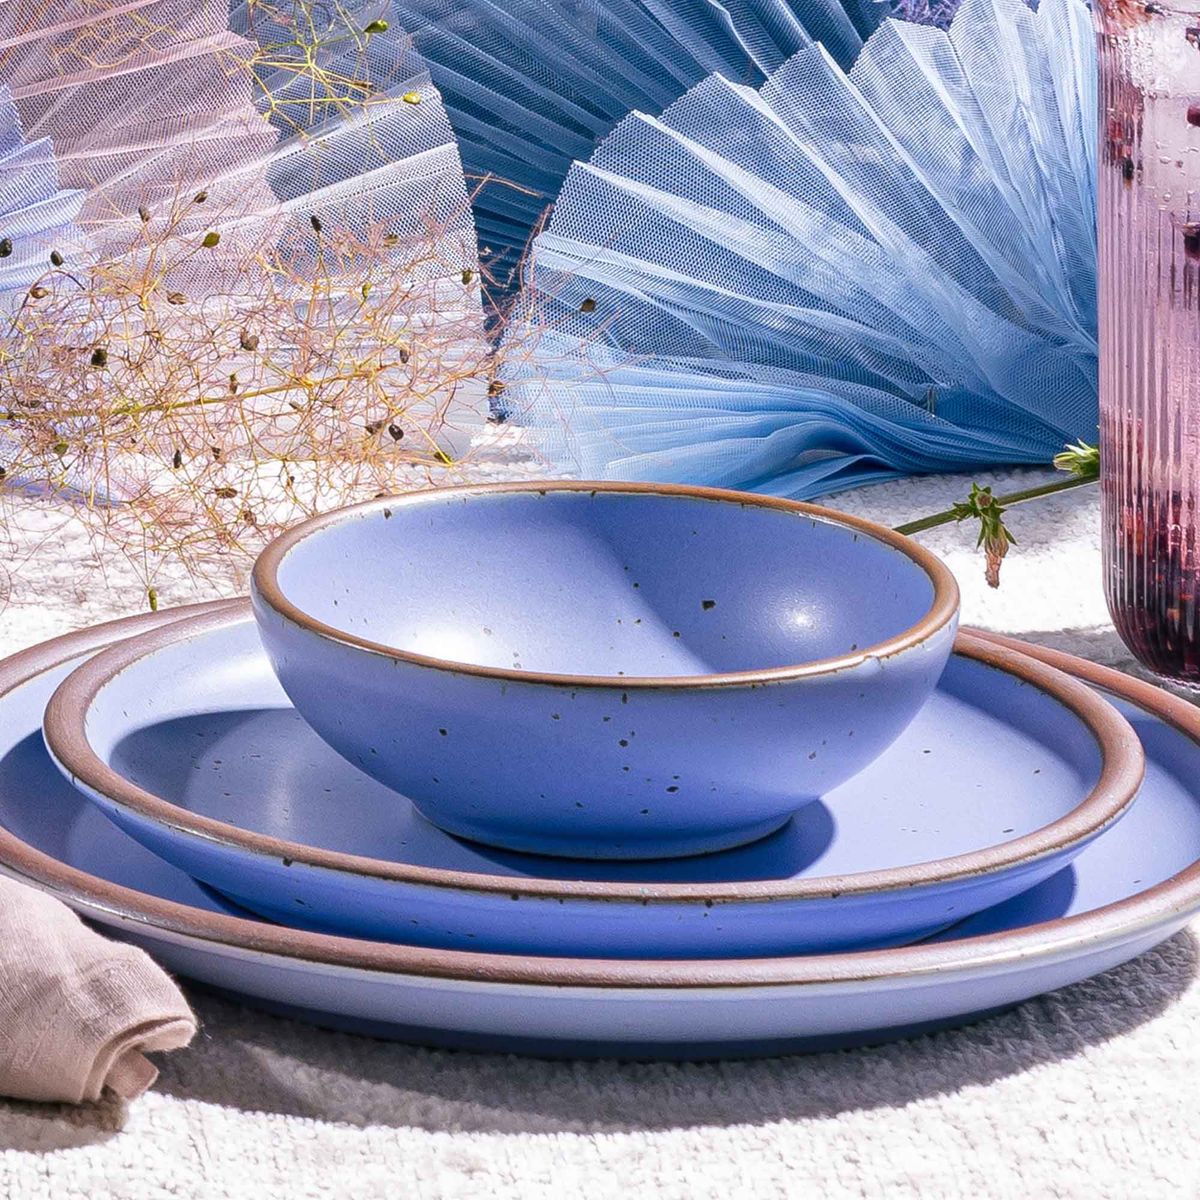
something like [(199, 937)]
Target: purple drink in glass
[(1149, 292)]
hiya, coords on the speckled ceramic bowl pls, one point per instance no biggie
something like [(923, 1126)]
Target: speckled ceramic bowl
[(604, 671)]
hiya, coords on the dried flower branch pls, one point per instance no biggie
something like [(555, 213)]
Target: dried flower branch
[(1081, 461), (217, 363)]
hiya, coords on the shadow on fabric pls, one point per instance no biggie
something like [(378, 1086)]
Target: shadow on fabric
[(254, 1062)]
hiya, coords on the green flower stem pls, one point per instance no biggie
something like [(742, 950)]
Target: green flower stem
[(1034, 493)]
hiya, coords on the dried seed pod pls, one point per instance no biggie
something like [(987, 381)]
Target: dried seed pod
[(199, 197), (377, 26), (99, 357), (152, 599), (468, 276), (412, 97), (144, 213), (61, 448), (589, 305), (233, 383), (38, 293), (216, 453), (315, 222), (403, 354), (496, 387), (211, 238), (247, 515), (176, 298), (365, 291), (396, 432), (225, 493), (3, 472), (391, 239), (6, 247), (56, 258), (373, 427), (177, 460), (248, 340)]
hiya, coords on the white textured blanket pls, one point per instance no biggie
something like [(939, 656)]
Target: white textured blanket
[(1091, 1092)]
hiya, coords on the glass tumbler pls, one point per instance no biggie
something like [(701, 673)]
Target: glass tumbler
[(1148, 201)]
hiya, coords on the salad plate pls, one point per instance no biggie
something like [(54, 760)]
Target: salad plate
[(1130, 889), (185, 738)]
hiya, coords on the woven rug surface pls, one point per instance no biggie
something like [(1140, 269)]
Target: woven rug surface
[(1090, 1092)]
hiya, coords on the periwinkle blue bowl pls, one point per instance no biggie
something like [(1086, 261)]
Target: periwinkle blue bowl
[(604, 670)]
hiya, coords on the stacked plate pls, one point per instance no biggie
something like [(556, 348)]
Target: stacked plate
[(622, 769)]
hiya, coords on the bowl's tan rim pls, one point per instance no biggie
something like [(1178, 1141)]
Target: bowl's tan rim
[(1172, 899), (943, 609), (1122, 767)]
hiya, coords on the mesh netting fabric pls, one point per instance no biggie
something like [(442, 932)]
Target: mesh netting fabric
[(37, 215), (531, 85), (833, 278)]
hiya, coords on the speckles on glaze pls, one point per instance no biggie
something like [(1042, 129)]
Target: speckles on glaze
[(444, 732), (708, 605), (622, 741)]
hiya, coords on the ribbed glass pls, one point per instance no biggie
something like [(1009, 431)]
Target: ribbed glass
[(1149, 286)]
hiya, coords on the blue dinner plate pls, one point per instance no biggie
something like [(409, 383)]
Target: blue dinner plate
[(1130, 889), (185, 739)]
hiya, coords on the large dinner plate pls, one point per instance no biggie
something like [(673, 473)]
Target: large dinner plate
[(1134, 886)]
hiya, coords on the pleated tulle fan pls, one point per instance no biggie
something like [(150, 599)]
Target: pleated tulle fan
[(834, 278), (531, 85), (35, 211), (240, 237)]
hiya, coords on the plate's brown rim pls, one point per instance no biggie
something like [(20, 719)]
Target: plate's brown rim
[(1173, 898), (1122, 767), (943, 608)]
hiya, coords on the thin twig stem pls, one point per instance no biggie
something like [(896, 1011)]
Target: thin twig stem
[(1034, 493)]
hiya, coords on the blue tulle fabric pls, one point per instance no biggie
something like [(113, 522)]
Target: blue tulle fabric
[(364, 138), (833, 278), (532, 85), (36, 215)]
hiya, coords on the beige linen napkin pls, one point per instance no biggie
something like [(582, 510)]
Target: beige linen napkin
[(77, 1012)]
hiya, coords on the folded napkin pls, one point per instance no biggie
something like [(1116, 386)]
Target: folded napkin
[(78, 1012)]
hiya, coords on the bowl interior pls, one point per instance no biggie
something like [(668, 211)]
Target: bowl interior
[(605, 583)]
